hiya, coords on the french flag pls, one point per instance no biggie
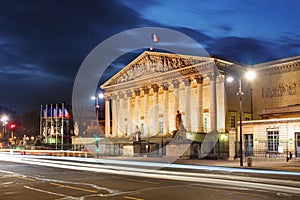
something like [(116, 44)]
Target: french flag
[(154, 37), (64, 114)]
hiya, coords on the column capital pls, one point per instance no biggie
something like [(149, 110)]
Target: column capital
[(175, 83), (128, 93), (187, 81), (199, 79), (155, 88), (146, 90), (121, 95), (165, 86), (137, 92), (221, 79), (107, 97), (212, 76), (113, 97)]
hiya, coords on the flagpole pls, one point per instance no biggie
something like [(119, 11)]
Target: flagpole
[(41, 121), (154, 38), (151, 44), (46, 120), (51, 123), (56, 125), (62, 126)]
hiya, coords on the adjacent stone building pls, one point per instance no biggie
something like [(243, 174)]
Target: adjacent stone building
[(275, 132)]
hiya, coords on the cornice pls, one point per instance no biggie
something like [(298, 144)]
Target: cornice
[(152, 63), (202, 69), (278, 67)]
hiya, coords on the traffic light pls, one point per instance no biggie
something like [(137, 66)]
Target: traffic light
[(96, 137), (12, 126)]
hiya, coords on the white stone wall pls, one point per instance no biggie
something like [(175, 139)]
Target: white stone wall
[(286, 127)]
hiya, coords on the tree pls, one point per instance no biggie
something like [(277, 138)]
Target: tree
[(30, 123)]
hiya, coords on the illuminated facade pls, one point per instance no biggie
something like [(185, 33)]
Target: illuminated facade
[(275, 132), (148, 92)]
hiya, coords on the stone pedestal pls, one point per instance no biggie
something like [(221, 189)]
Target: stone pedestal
[(231, 141), (128, 150), (137, 149), (178, 150)]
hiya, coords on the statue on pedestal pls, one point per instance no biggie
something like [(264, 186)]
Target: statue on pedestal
[(180, 129), (137, 134)]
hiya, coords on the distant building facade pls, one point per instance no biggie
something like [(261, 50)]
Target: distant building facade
[(276, 107)]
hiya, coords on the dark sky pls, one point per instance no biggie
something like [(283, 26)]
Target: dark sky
[(43, 43)]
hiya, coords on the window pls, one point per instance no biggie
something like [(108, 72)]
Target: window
[(205, 124), (142, 128), (232, 121), (161, 127), (273, 140)]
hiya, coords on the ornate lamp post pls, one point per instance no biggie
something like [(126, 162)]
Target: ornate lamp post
[(96, 98), (250, 75)]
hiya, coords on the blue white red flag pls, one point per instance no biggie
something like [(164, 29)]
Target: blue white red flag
[(155, 38), (46, 112)]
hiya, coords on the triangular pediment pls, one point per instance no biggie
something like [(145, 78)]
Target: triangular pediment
[(150, 64)]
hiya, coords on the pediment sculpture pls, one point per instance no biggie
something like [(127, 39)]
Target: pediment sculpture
[(153, 64)]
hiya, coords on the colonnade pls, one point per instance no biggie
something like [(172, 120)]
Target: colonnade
[(127, 112)]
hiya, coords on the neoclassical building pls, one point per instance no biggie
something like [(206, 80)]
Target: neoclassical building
[(150, 90)]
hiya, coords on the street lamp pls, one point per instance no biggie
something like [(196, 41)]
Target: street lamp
[(4, 120), (96, 98), (250, 75)]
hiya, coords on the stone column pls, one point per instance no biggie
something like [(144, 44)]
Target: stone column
[(128, 116), (176, 100), (121, 115), (137, 106), (199, 80), (187, 83), (221, 110), (114, 115), (107, 116), (166, 108), (155, 120), (213, 102), (146, 112)]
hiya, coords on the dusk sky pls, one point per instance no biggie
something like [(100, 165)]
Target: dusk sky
[(43, 43)]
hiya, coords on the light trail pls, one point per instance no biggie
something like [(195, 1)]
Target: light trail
[(159, 165), (168, 175)]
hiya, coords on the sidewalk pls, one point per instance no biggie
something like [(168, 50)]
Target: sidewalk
[(291, 165)]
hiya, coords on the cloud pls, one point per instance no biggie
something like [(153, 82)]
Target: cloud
[(225, 28), (43, 44), (246, 50)]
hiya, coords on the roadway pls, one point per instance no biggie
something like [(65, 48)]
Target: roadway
[(43, 177)]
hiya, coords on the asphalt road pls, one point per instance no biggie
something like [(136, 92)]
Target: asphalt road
[(32, 181)]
